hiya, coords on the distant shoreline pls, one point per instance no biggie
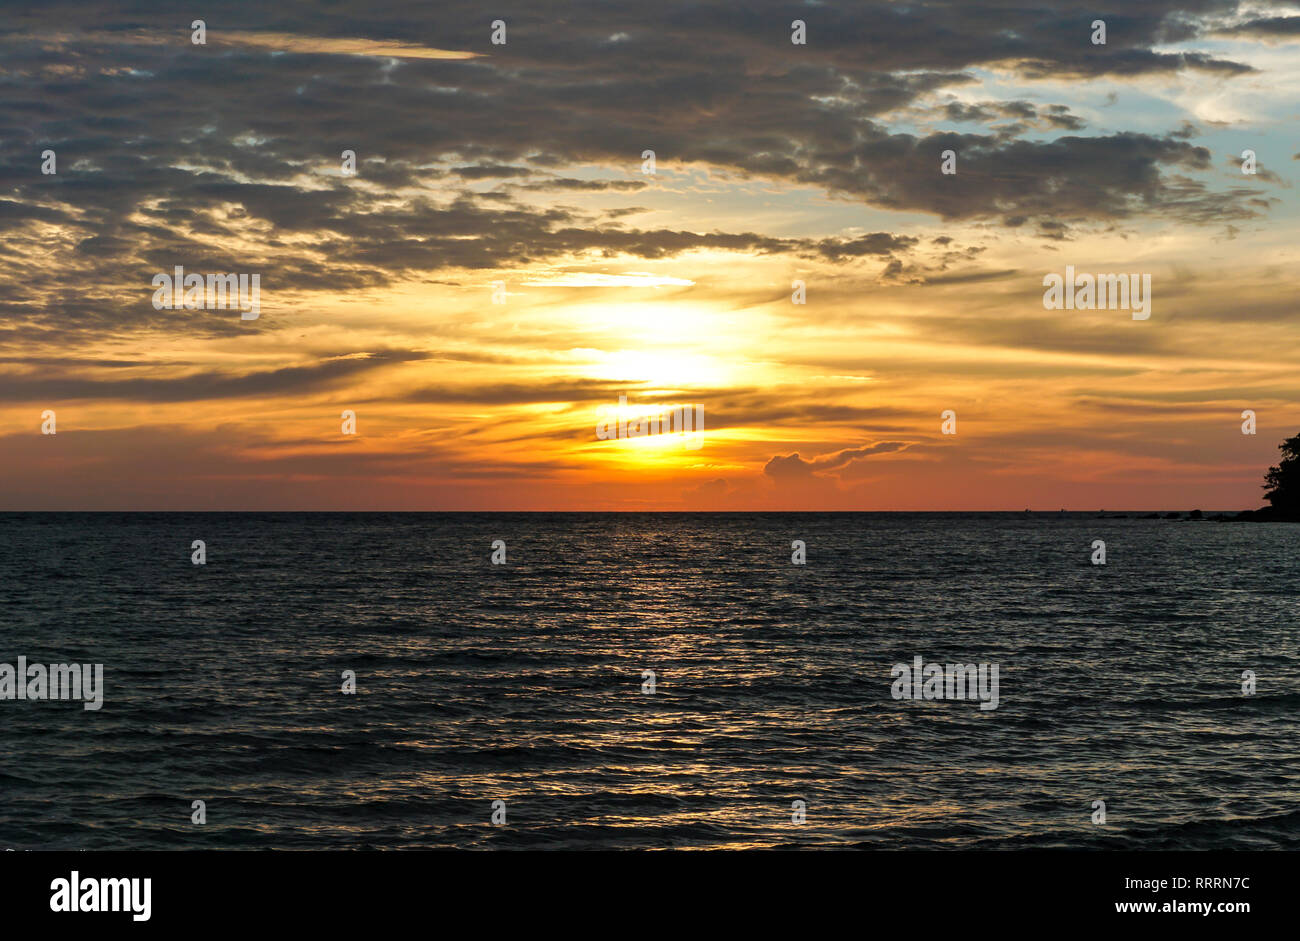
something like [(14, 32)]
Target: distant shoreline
[(1262, 515), (1265, 514)]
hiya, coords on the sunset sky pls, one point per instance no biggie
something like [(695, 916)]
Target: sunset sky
[(522, 163)]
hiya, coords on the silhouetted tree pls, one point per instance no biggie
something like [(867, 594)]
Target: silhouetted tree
[(1282, 482)]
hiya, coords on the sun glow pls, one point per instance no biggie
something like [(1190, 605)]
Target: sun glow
[(662, 370)]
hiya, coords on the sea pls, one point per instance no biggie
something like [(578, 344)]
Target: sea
[(650, 681)]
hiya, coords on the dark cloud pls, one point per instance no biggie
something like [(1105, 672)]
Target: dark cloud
[(1273, 26), (878, 243), (490, 171), (793, 467), (226, 157), (198, 386), (1025, 113), (591, 186)]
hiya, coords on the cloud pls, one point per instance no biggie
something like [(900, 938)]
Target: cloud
[(599, 280), (522, 162), (1266, 27), (793, 467), (196, 386), (171, 149)]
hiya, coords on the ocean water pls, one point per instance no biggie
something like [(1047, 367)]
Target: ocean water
[(523, 682)]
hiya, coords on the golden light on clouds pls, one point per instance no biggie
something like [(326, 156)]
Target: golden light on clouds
[(496, 268)]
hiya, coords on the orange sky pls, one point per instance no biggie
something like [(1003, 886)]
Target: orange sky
[(924, 291)]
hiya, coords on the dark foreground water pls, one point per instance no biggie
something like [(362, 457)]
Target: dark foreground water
[(523, 682)]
